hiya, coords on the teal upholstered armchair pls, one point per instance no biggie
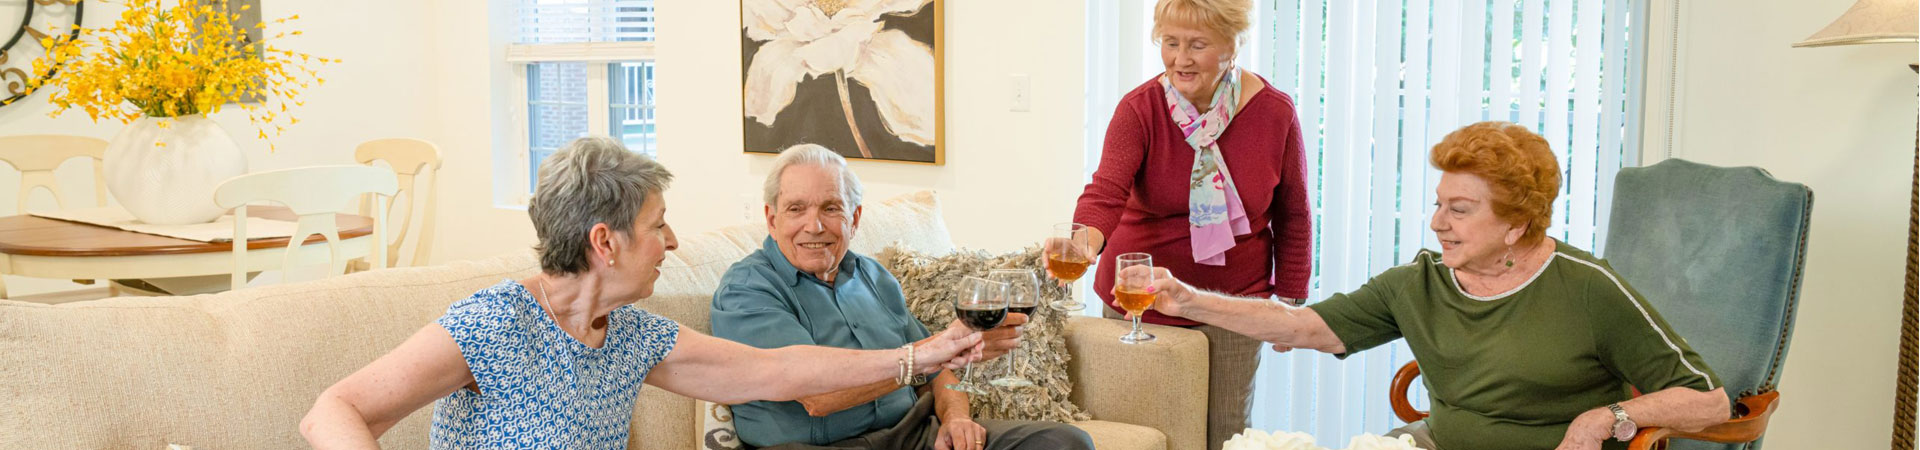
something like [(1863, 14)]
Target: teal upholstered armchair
[(1718, 251)]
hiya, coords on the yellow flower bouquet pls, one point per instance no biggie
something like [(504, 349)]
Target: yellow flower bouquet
[(160, 70), (188, 59)]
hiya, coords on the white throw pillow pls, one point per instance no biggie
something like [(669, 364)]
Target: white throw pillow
[(716, 428)]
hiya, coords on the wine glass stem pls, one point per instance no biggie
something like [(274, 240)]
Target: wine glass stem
[(1136, 324), (1010, 361), (1070, 291)]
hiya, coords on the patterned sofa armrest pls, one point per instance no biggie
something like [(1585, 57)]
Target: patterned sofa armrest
[(1161, 384)]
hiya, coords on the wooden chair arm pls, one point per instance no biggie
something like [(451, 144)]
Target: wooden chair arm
[(1402, 380), (1746, 428)]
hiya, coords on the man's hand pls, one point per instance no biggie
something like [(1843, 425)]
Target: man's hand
[(1588, 431), (1004, 338), (949, 349), (961, 434)]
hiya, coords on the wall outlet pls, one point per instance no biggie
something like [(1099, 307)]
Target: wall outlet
[(1021, 95)]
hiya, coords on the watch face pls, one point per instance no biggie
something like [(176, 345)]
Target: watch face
[(24, 24), (1624, 430)]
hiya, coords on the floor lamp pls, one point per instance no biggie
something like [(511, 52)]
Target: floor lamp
[(1874, 22)]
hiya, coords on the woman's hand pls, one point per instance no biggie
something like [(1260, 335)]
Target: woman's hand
[(1171, 296), (951, 349), (1588, 430), (1095, 241)]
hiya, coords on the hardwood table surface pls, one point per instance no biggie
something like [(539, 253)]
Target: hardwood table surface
[(39, 236)]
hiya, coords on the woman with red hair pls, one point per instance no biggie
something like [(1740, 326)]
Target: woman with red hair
[(1525, 342)]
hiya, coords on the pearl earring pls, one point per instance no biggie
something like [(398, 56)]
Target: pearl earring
[(610, 263)]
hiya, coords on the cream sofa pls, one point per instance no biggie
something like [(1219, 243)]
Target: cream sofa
[(237, 370)]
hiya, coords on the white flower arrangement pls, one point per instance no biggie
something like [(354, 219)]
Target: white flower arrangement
[(1252, 439)]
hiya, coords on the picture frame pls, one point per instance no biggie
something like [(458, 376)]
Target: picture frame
[(866, 84)]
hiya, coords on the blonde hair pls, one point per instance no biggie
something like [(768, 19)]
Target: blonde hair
[(1227, 18)]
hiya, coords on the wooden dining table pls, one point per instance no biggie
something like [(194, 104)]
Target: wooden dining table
[(39, 247)]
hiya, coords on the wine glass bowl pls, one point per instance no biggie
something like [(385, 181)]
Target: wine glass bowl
[(1023, 296), (1069, 251), (981, 305), (1067, 266), (1132, 283)]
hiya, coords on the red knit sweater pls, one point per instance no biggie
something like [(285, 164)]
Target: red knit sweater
[(1138, 198)]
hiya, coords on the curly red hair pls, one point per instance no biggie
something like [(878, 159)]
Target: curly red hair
[(1516, 163)]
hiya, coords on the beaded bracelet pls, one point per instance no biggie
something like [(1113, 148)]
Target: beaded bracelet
[(906, 367)]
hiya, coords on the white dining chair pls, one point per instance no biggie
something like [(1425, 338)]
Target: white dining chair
[(409, 159), (37, 156), (315, 194)]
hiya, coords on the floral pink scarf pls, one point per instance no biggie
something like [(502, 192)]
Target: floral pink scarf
[(1214, 212)]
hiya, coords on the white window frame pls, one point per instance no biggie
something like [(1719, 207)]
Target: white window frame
[(597, 56)]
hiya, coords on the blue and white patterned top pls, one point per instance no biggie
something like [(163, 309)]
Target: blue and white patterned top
[(540, 388)]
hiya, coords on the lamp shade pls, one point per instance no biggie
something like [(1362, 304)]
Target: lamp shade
[(1871, 22)]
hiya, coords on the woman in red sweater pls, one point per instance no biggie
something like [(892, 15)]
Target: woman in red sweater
[(1203, 168)]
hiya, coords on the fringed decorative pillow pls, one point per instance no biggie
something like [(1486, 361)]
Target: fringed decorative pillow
[(930, 286)]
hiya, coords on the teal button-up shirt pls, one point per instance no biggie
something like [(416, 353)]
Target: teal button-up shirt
[(765, 302)]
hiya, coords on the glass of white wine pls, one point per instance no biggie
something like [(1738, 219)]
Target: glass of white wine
[(1132, 276), (1069, 250)]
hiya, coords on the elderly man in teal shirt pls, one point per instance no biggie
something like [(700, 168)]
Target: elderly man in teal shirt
[(803, 287)]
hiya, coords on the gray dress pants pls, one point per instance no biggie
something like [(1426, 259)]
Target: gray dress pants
[(919, 429)]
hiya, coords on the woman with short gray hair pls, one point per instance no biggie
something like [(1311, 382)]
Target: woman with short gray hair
[(556, 360)]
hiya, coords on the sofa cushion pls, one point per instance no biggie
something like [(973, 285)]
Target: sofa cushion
[(234, 370), (911, 221), (1122, 436), (929, 286)]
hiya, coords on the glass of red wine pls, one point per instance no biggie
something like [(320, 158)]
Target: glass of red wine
[(1023, 296), (981, 305)]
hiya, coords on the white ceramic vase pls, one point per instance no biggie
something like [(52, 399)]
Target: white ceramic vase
[(166, 175)]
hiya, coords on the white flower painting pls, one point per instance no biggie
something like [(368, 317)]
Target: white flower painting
[(856, 76)]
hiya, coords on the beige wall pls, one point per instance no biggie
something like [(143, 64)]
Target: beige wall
[(1008, 174), (1840, 120), (439, 76)]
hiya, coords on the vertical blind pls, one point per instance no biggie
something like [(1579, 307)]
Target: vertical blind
[(1377, 83), (557, 21)]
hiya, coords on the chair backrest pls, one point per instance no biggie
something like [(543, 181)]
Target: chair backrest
[(1719, 252), (315, 194), (36, 156), (409, 158)]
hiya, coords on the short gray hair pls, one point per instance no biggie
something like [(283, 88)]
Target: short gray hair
[(813, 155), (592, 180)]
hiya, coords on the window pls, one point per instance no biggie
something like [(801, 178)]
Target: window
[(582, 67), (1377, 83)]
